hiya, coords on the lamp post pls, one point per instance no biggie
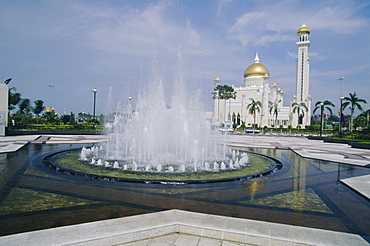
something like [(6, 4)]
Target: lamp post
[(322, 111), (129, 104), (341, 116), (340, 88), (217, 80), (51, 95), (242, 109), (94, 91)]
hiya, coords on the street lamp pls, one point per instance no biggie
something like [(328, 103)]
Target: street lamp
[(322, 112), (217, 80), (129, 104), (94, 91), (340, 88), (341, 116), (242, 109), (51, 95)]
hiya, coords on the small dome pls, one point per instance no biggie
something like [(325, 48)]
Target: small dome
[(303, 29), (256, 69)]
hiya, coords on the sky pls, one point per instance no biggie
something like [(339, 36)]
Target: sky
[(58, 51)]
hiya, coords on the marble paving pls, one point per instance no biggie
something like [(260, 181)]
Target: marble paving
[(182, 228)]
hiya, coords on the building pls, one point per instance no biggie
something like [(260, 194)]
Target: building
[(4, 92), (257, 86)]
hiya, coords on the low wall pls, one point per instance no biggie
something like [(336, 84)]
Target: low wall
[(353, 144), (17, 133)]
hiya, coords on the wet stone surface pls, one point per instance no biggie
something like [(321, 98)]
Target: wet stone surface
[(304, 192)]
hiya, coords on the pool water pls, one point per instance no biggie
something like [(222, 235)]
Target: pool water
[(304, 192)]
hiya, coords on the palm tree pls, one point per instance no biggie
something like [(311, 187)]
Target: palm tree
[(274, 109), (322, 106), (224, 92), (24, 111), (254, 106), (354, 102), (299, 108), (25, 106), (362, 119), (39, 107), (14, 98)]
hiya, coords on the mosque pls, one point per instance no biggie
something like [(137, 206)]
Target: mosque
[(257, 86)]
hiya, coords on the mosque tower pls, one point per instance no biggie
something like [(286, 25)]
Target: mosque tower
[(303, 76)]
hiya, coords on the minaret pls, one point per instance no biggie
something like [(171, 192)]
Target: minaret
[(303, 74)]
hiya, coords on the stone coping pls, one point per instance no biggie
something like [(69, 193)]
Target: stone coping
[(141, 227), (360, 184)]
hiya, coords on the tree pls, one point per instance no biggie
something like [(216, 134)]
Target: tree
[(322, 106), (224, 92), (14, 98), (25, 106), (299, 108), (274, 108), (354, 102), (362, 119), (254, 107), (24, 111), (65, 118), (72, 119), (51, 118), (39, 107)]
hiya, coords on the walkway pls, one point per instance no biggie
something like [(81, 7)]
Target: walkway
[(13, 143)]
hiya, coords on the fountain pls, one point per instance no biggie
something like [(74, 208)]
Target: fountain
[(162, 140), (97, 156)]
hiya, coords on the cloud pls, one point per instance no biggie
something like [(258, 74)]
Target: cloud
[(262, 25), (221, 5), (82, 44), (340, 18), (137, 31)]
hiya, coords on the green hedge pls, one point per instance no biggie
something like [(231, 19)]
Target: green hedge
[(45, 127)]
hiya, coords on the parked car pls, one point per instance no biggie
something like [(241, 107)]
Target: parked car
[(226, 129), (251, 130)]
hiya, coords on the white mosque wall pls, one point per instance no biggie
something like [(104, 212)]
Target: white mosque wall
[(236, 109)]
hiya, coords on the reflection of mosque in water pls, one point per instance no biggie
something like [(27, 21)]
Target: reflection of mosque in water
[(299, 172)]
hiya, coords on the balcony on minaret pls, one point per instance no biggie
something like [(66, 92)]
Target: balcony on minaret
[(303, 33)]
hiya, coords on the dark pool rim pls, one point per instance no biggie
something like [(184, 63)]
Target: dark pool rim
[(47, 160)]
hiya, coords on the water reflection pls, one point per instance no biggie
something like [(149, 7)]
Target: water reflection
[(304, 192)]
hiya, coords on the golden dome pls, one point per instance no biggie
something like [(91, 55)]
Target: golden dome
[(303, 29), (256, 69)]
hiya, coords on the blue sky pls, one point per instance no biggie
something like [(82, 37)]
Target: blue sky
[(79, 45)]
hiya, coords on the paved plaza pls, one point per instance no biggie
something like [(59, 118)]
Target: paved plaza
[(179, 227)]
